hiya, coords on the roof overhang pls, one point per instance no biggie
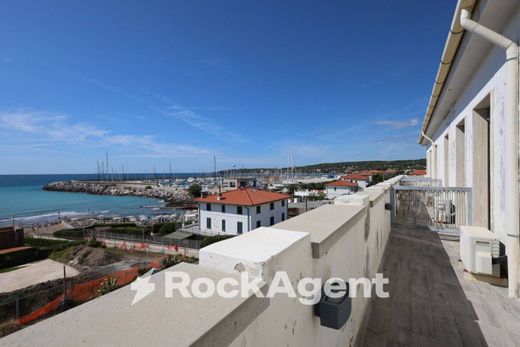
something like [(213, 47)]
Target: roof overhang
[(448, 56), (463, 55)]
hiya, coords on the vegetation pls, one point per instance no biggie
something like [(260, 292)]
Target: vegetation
[(320, 196), (115, 225), (208, 240), (380, 178), (40, 249), (398, 165), (128, 228), (94, 243), (74, 234), (195, 190), (9, 269), (50, 245), (171, 260), (167, 228), (108, 285)]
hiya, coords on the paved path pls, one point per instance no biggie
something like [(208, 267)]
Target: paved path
[(33, 273), (433, 302)]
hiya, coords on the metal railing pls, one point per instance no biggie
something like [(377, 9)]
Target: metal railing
[(439, 207), (145, 238), (419, 181)]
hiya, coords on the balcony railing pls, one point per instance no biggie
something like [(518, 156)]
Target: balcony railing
[(433, 206), (417, 181)]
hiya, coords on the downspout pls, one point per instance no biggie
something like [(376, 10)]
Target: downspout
[(511, 139), (431, 159), (426, 137)]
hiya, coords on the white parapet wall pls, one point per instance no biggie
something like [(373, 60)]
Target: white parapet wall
[(346, 240)]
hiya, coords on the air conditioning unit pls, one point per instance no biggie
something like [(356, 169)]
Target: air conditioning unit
[(478, 247)]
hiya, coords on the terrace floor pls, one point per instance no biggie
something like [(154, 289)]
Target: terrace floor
[(433, 302)]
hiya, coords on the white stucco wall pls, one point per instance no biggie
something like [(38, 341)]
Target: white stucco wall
[(339, 191), (488, 79), (249, 217)]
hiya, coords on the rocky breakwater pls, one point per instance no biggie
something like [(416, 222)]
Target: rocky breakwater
[(120, 188)]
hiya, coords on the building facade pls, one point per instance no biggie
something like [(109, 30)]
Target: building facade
[(471, 125), (339, 188), (361, 180), (241, 210)]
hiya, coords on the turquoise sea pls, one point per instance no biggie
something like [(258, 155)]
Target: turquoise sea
[(22, 198)]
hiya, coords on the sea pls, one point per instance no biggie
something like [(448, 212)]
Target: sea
[(23, 200)]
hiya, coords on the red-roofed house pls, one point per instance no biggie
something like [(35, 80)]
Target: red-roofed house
[(241, 210), (417, 173), (362, 180), (339, 188)]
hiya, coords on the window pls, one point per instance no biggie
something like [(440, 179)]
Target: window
[(283, 217), (239, 227), (271, 206), (271, 222), (208, 223), (258, 224), (223, 208), (283, 203), (239, 209), (223, 225), (335, 188), (258, 209), (208, 207)]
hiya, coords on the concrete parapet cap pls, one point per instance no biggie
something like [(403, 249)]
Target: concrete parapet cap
[(250, 252), (326, 224), (386, 186), (375, 193), (358, 199)]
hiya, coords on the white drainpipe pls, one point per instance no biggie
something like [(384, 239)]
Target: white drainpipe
[(431, 159), (511, 140)]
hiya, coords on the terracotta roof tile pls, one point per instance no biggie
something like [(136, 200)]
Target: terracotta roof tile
[(356, 177), (244, 197), (341, 184)]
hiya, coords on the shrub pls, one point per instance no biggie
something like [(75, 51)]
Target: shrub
[(50, 245), (208, 240), (195, 190), (167, 228), (69, 234), (171, 260), (94, 243), (22, 256), (108, 285)]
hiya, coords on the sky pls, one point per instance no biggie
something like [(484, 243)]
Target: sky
[(249, 82)]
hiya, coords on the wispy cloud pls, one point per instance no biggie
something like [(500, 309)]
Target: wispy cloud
[(188, 115), (62, 131), (201, 123), (398, 124)]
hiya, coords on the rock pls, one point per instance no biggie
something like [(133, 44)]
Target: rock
[(116, 188)]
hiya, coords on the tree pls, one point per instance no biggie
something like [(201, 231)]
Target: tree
[(167, 228), (194, 190)]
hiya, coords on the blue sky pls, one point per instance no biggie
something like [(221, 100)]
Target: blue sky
[(248, 81)]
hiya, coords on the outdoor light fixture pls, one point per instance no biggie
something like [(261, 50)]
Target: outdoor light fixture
[(334, 312)]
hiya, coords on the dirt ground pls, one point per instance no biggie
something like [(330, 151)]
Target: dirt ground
[(33, 273)]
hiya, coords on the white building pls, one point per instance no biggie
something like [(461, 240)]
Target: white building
[(471, 124), (339, 188), (361, 181), (241, 210)]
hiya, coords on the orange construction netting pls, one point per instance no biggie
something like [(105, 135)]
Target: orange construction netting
[(85, 291)]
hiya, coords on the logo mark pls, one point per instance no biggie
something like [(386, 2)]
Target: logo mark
[(142, 288)]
